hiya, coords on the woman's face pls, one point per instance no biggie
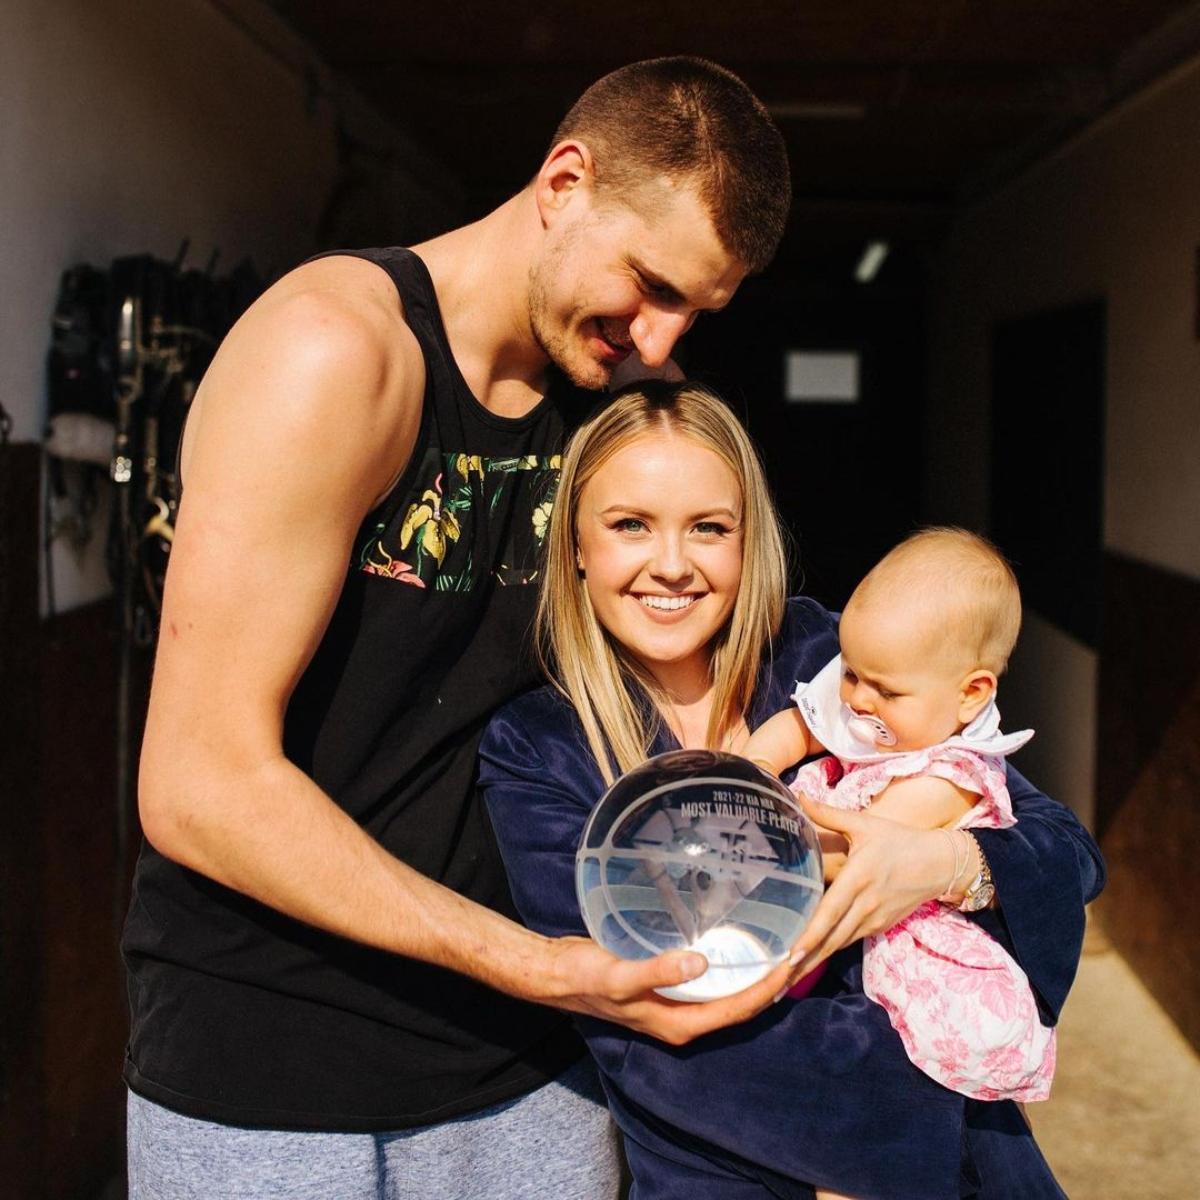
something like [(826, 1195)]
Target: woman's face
[(659, 538)]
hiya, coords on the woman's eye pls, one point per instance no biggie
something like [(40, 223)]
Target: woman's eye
[(711, 528), (630, 525)]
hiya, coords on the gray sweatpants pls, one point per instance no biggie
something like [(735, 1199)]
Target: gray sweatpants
[(557, 1142)]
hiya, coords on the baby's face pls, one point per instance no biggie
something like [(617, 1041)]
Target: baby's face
[(896, 670)]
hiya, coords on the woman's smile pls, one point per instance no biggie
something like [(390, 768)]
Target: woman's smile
[(667, 605)]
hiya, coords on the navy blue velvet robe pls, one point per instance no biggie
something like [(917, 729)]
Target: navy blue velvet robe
[(816, 1091)]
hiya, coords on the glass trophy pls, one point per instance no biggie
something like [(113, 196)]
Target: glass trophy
[(699, 850)]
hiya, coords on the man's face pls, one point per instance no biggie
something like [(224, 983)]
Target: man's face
[(615, 280)]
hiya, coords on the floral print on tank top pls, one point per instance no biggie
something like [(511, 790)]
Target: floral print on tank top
[(428, 544)]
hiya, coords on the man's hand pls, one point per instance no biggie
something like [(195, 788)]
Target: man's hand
[(890, 871), (614, 989)]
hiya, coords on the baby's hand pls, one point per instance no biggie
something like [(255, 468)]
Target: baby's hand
[(835, 846)]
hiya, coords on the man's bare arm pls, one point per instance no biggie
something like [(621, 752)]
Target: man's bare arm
[(301, 425)]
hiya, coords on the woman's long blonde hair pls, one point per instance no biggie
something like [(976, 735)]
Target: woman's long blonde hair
[(596, 674)]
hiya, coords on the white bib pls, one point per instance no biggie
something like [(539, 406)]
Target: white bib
[(851, 738)]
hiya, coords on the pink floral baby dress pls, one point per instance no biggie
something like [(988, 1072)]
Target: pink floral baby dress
[(962, 1006)]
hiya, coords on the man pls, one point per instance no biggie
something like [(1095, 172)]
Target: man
[(319, 914)]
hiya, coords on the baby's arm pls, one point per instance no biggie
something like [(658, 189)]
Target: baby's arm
[(923, 802), (780, 742)]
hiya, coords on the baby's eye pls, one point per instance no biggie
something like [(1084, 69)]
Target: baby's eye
[(884, 694), (848, 675)]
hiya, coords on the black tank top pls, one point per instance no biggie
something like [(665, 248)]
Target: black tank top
[(245, 1016)]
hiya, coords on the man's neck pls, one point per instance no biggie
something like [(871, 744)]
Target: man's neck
[(481, 275)]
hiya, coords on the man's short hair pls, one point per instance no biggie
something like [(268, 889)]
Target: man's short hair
[(690, 118)]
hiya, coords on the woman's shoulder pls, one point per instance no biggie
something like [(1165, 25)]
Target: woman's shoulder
[(543, 703), (807, 637), (541, 712), (806, 641), (805, 617), (532, 729)]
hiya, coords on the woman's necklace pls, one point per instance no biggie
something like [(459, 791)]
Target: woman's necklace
[(737, 735)]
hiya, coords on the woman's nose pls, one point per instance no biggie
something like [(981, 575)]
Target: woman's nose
[(670, 560)]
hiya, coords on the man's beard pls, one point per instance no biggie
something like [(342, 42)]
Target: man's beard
[(554, 340)]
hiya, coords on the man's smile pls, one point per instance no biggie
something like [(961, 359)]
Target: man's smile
[(614, 336)]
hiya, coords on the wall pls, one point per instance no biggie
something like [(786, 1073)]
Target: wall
[(125, 128), (1112, 216)]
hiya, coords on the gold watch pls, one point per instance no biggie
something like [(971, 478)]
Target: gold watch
[(981, 890)]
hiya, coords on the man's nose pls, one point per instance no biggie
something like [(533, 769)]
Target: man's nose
[(655, 331)]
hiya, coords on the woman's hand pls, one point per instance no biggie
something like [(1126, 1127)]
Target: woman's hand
[(890, 870)]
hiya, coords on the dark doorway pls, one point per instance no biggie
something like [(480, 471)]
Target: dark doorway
[(846, 475), (1047, 462)]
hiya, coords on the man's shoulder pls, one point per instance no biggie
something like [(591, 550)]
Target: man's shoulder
[(324, 349), (337, 323), (342, 303)]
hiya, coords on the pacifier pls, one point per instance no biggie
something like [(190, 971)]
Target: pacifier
[(870, 730)]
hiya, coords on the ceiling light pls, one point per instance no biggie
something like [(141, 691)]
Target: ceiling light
[(871, 261), (816, 110)]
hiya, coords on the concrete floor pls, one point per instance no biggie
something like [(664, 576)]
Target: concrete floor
[(1123, 1119)]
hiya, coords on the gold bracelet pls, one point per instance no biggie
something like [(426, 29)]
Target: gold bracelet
[(959, 862), (981, 891)]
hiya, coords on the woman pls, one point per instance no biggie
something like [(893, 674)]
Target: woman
[(663, 623)]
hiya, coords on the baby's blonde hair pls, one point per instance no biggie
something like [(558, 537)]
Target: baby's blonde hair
[(962, 582)]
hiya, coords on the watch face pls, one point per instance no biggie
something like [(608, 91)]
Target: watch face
[(980, 898)]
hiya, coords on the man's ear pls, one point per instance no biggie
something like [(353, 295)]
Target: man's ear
[(974, 692), (567, 172)]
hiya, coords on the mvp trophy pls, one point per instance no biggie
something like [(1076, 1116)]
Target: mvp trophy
[(698, 850)]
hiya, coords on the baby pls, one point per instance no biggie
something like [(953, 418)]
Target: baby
[(907, 716)]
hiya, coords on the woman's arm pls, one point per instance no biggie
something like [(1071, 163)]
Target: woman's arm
[(538, 814), (770, 1090), (1045, 868)]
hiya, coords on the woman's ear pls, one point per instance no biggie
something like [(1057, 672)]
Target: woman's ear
[(579, 562), (974, 692)]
